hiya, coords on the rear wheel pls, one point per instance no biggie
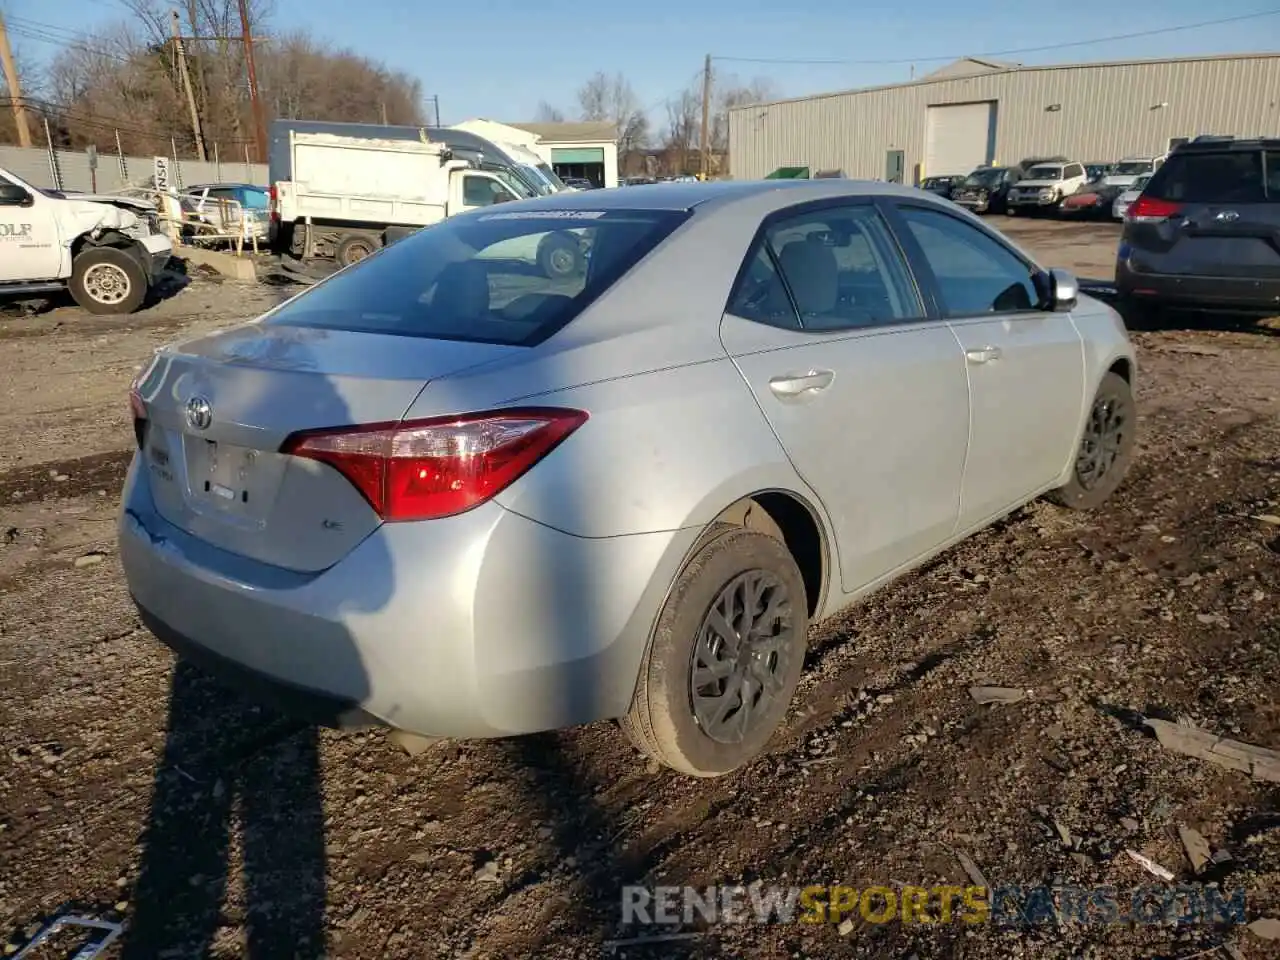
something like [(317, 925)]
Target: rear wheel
[(108, 280), (354, 247), (725, 656), (1106, 447)]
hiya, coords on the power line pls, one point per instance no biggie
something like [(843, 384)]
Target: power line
[(42, 36), (1004, 53)]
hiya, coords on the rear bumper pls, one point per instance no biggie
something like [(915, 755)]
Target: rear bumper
[(484, 624), (1213, 293)]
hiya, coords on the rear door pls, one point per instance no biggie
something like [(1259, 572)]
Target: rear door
[(863, 387), (1025, 364), (1219, 216)]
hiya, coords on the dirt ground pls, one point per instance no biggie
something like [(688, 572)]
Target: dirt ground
[(241, 831)]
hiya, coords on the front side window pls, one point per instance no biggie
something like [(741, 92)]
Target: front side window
[(975, 273), (480, 191), (840, 268), (1075, 170)]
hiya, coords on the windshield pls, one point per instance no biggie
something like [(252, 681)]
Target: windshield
[(474, 277), (984, 178), (517, 184), (1044, 173), (551, 175), (1131, 168), (543, 185)]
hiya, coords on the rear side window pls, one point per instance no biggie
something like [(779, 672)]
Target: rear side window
[(511, 277), (1228, 177)]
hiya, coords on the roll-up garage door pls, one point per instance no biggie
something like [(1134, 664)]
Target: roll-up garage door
[(958, 138)]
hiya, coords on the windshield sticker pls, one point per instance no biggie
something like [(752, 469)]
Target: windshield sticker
[(545, 215)]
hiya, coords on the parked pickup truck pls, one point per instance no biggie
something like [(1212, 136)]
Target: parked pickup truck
[(107, 251)]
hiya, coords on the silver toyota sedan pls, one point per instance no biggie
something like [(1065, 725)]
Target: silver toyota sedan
[(445, 493)]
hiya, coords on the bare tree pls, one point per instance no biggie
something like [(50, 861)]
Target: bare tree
[(680, 140), (124, 78), (611, 99), (548, 114), (729, 94)]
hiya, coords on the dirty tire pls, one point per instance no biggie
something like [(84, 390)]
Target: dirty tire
[(108, 280), (354, 247), (560, 256), (1079, 493), (662, 721)]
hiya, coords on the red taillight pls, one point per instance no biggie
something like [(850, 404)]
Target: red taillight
[(426, 469), (1151, 209), (271, 202), (139, 411)]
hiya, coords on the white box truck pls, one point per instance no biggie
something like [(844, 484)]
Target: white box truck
[(341, 196)]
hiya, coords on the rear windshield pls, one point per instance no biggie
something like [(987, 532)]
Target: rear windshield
[(1234, 176), (510, 277)]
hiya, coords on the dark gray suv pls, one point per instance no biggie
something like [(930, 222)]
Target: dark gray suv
[(1205, 233)]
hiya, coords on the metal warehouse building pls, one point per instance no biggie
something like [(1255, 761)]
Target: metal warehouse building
[(977, 111)]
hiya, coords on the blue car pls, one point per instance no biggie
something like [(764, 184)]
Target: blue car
[(247, 200)]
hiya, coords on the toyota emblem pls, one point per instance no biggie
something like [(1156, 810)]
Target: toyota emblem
[(199, 413)]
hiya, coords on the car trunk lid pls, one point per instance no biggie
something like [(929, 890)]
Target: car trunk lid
[(218, 410)]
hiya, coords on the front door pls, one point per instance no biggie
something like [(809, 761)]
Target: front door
[(895, 166), (865, 392), (30, 247), (1025, 363)]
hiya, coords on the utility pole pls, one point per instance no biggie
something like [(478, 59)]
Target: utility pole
[(703, 166), (382, 105), (259, 124), (435, 102), (181, 55), (15, 88)]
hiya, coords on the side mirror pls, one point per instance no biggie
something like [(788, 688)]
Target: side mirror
[(12, 195), (1064, 290)]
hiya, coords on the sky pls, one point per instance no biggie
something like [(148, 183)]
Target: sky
[(500, 58)]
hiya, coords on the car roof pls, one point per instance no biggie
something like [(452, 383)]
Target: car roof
[(687, 196), (1216, 144)]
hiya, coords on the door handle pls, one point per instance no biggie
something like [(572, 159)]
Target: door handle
[(791, 385), (985, 355)]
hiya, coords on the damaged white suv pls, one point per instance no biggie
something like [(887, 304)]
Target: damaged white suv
[(1046, 185), (107, 251)]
